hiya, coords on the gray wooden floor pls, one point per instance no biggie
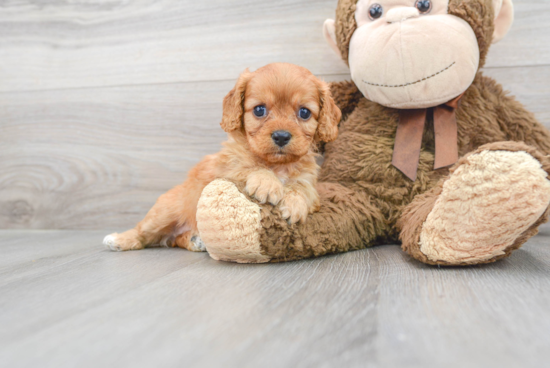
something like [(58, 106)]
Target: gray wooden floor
[(67, 302)]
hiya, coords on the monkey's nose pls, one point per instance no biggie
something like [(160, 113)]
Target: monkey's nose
[(402, 13), (281, 137)]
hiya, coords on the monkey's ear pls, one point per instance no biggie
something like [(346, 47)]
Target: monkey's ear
[(329, 31), (329, 116), (233, 108), (504, 17)]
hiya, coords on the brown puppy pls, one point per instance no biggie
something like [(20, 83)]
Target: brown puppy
[(274, 118)]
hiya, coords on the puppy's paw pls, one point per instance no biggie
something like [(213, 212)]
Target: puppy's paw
[(196, 244), (121, 242), (265, 187), (294, 208), (110, 242)]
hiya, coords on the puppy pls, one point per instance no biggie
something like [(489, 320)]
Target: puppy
[(274, 117)]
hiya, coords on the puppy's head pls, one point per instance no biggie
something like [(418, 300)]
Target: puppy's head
[(282, 110)]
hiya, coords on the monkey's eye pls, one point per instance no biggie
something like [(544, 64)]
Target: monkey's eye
[(375, 11), (260, 111), (423, 6), (304, 113)]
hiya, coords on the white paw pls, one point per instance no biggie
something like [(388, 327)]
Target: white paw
[(110, 243), (196, 244)]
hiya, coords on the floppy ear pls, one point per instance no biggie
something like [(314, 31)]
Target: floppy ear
[(329, 116), (233, 109), (504, 17)]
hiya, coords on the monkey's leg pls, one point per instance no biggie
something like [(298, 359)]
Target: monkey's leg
[(493, 201), (237, 229)]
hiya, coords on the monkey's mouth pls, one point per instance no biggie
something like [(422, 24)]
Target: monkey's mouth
[(410, 83)]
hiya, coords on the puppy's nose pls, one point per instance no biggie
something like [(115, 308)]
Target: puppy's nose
[(281, 137)]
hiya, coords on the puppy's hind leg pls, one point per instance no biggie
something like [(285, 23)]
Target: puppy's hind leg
[(128, 240), (158, 225), (163, 223)]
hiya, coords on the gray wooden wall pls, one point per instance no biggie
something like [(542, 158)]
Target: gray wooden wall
[(106, 104)]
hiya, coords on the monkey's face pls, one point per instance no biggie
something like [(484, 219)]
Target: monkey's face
[(411, 53)]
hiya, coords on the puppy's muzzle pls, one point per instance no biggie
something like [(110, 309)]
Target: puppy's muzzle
[(281, 137)]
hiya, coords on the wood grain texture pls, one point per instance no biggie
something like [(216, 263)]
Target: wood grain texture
[(530, 86), (527, 43), (99, 158), (67, 302), (117, 42), (105, 105), (72, 44)]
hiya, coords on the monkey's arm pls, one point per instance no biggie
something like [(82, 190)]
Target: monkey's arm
[(346, 95)]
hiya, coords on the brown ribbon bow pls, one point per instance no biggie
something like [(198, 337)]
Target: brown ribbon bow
[(408, 139)]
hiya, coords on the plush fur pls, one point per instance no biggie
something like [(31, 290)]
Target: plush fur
[(366, 201), (284, 176), (360, 161), (239, 240), (414, 216)]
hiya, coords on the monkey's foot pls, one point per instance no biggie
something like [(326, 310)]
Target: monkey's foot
[(230, 224), (491, 204)]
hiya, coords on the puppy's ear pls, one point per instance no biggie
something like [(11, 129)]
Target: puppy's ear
[(330, 115), (233, 104)]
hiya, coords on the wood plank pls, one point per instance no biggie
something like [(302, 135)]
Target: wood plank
[(99, 158), (527, 43), (173, 308), (529, 85), (78, 44), (114, 42)]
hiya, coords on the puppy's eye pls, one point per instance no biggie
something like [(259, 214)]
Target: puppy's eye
[(304, 113), (375, 11), (260, 111)]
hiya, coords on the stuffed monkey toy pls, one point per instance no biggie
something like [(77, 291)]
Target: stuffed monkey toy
[(430, 152)]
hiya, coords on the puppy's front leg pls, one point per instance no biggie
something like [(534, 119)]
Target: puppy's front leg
[(265, 186), (300, 199)]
